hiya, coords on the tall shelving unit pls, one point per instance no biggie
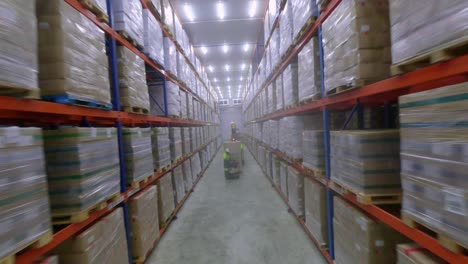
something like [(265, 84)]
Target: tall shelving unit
[(14, 111), (381, 93)]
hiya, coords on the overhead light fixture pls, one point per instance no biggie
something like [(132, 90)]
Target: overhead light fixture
[(204, 50), (210, 68), (221, 10), (228, 79), (241, 78), (243, 66), (226, 67), (252, 8), (189, 12), (246, 47), (215, 80), (225, 48)]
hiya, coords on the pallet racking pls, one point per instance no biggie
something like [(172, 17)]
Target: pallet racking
[(381, 93)]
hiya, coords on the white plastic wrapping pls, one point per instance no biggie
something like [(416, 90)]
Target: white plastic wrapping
[(196, 166), (178, 183), (186, 141), (173, 99), (309, 83), (284, 178), (313, 152), (183, 104), (168, 15), (175, 138), (188, 178), (137, 153), (156, 98), (279, 92), (153, 37), (356, 41), (170, 56), (18, 39), (166, 202), (290, 84), (315, 205), (421, 26), (286, 28), (273, 8), (275, 170), (274, 48), (128, 18), (296, 191), (290, 136), (302, 11), (161, 147)]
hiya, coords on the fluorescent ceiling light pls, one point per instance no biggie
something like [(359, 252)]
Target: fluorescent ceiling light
[(252, 8), (243, 66), (189, 12), (204, 50), (210, 68), (225, 48), (228, 79), (215, 80), (226, 67), (241, 78), (221, 10), (246, 47)]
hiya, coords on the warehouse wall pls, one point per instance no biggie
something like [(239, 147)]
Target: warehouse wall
[(230, 114)]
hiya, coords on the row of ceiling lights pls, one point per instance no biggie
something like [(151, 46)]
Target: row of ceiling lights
[(220, 10), (228, 79), (225, 48), (227, 67)]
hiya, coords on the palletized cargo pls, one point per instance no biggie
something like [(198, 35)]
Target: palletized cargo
[(137, 154), (315, 210), (166, 202)]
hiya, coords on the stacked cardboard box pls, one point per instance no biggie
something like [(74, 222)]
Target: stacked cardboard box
[(137, 153), (175, 137), (284, 178), (82, 168), (144, 221), (290, 83), (186, 141), (168, 15), (18, 64), (302, 11), (166, 203), (275, 163), (153, 37), (316, 210), (72, 54), (313, 150), (170, 56), (183, 104), (160, 147), (128, 18), (434, 159), (290, 141), (285, 28), (24, 211), (296, 191), (195, 165), (279, 92), (415, 254), (178, 183), (188, 177), (309, 83), (275, 48)]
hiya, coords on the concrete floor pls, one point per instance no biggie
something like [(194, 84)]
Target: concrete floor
[(235, 222)]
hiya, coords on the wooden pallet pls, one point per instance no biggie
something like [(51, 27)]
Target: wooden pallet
[(345, 88), (41, 241), (314, 172), (290, 106), (444, 52), (176, 160), (163, 169), (364, 198), (303, 30), (67, 218), (443, 239), (174, 117), (130, 39), (101, 15), (9, 89), (310, 99), (323, 5), (135, 110), (137, 184), (74, 100)]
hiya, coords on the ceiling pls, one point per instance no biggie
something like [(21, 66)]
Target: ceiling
[(224, 46)]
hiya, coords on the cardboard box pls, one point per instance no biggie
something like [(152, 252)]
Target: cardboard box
[(166, 203), (296, 191), (316, 210), (415, 254)]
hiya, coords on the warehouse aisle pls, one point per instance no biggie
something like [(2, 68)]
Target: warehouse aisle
[(235, 222)]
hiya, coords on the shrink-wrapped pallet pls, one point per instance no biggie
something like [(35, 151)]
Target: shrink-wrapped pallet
[(276, 170), (303, 13), (170, 56), (18, 39), (132, 81), (103, 242), (166, 203), (360, 239), (284, 178), (279, 92), (183, 104), (290, 136), (434, 160), (356, 41), (160, 147), (290, 84), (193, 137), (82, 168), (366, 161), (313, 151), (285, 28), (186, 140), (156, 4), (137, 153), (178, 183), (168, 16), (173, 99), (275, 48), (72, 55), (315, 205), (188, 177), (153, 37), (419, 27), (274, 134), (272, 97), (296, 191), (24, 211), (266, 28), (309, 84), (412, 253), (144, 222), (128, 19), (175, 138)]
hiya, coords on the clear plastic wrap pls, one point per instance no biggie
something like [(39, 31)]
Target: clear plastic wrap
[(166, 203), (72, 54), (173, 99), (366, 161), (290, 141), (285, 28), (153, 37), (103, 242), (434, 159), (183, 104), (196, 166), (313, 152), (421, 26), (412, 253), (309, 84), (128, 18), (188, 177), (168, 15), (170, 56), (24, 211), (273, 7), (175, 137), (156, 4), (186, 141), (275, 163), (82, 168), (137, 153), (160, 147), (132, 79), (290, 84), (18, 39), (144, 221), (279, 92), (284, 178), (315, 205), (302, 11), (356, 41), (178, 183), (296, 191), (266, 28), (360, 239)]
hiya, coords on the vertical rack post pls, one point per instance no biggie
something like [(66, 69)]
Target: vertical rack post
[(166, 112), (115, 93)]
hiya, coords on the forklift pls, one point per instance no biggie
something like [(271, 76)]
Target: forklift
[(233, 155)]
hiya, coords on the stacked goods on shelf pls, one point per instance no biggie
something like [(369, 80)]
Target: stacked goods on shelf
[(303, 12), (166, 203), (290, 136), (161, 147), (415, 254), (134, 95), (267, 62), (103, 242), (188, 177), (190, 114), (144, 222), (284, 178), (82, 170), (434, 160), (285, 29), (173, 100), (275, 48), (193, 138), (175, 138), (72, 56), (156, 95), (137, 154), (296, 191), (186, 140), (170, 56), (275, 163), (24, 211), (155, 4), (356, 43), (19, 49), (272, 97), (153, 37), (269, 163), (366, 161), (308, 71), (273, 8), (290, 84), (313, 152), (128, 19), (195, 165), (266, 28), (425, 33), (167, 16), (279, 92), (183, 104), (360, 239), (315, 205), (156, 92)]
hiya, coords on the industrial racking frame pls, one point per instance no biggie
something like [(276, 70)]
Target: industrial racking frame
[(15, 111), (381, 93)]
